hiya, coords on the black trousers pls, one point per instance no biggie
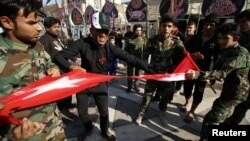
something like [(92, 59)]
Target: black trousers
[(101, 100), (199, 87)]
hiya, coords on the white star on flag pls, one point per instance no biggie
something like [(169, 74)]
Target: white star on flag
[(58, 84)]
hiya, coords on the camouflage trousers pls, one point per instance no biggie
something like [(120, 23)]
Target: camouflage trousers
[(166, 90), (239, 112), (220, 111), (131, 70), (53, 131)]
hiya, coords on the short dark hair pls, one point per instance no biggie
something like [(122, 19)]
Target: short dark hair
[(10, 8), (50, 21), (212, 18), (192, 20), (168, 18), (245, 13), (229, 28), (191, 23), (137, 26)]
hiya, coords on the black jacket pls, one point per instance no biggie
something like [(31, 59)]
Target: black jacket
[(96, 60), (51, 44), (210, 50)]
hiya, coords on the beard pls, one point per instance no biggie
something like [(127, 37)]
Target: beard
[(23, 37), (28, 41)]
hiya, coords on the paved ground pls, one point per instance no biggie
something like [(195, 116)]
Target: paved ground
[(123, 110)]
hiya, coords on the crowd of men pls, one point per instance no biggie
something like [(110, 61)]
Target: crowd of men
[(221, 51)]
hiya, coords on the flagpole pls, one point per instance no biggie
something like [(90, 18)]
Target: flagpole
[(85, 19), (113, 16), (47, 2), (66, 16), (147, 22)]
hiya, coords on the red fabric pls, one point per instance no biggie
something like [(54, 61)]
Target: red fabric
[(177, 75), (50, 89), (186, 64), (162, 77), (47, 90)]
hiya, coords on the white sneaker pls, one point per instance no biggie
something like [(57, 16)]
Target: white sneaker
[(138, 120), (162, 118)]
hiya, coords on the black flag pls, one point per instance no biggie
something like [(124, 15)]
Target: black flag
[(48, 1)]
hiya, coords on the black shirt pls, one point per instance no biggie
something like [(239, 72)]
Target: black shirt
[(209, 49)]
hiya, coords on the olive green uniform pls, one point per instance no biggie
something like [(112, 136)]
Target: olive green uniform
[(166, 54), (241, 109), (232, 66), (135, 46)]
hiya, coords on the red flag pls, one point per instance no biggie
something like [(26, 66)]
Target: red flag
[(47, 90), (177, 75), (50, 89), (186, 64), (162, 77)]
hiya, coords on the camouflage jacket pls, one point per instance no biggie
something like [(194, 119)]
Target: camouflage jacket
[(166, 53), (232, 66), (21, 65), (136, 45)]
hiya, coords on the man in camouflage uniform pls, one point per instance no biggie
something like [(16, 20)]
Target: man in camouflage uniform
[(23, 61), (240, 110), (135, 46), (166, 51), (232, 66)]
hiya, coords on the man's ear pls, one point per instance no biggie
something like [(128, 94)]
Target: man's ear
[(236, 38), (6, 22)]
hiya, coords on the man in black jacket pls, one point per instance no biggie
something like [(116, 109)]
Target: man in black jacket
[(96, 55), (52, 45)]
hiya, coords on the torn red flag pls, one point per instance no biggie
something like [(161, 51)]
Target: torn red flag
[(177, 75), (50, 89), (186, 64), (47, 90)]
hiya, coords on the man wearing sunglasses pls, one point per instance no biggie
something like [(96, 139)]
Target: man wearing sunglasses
[(96, 54)]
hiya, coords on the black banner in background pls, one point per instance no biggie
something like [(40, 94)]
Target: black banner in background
[(110, 9), (230, 132), (89, 12), (76, 17), (222, 7), (136, 11), (178, 8)]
